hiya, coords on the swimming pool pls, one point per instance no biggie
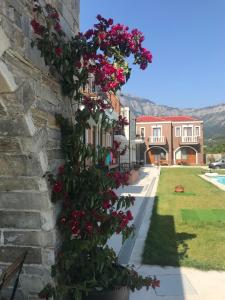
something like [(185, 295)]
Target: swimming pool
[(220, 179)]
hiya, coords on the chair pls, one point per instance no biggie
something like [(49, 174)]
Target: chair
[(10, 272)]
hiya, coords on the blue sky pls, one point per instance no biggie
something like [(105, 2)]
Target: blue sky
[(187, 40)]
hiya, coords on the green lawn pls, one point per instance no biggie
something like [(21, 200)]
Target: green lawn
[(176, 240)]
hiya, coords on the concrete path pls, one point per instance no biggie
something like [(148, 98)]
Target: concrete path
[(175, 283)]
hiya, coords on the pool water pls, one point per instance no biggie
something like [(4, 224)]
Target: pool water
[(220, 179)]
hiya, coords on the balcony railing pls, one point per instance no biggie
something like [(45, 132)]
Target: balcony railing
[(190, 139), (157, 140)]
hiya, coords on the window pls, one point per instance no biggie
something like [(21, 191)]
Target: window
[(184, 154), (157, 131), (108, 140), (197, 130), (187, 131), (142, 132), (177, 131)]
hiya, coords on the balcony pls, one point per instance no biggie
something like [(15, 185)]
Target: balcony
[(157, 140), (189, 140)]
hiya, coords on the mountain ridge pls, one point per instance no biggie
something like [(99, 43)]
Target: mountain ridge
[(213, 115)]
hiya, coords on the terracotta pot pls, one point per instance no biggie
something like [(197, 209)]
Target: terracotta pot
[(120, 294), (179, 189)]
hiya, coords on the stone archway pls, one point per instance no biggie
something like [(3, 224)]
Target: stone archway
[(156, 155)]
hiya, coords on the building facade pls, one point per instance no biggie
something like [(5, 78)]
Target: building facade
[(29, 144), (175, 140), (129, 137)]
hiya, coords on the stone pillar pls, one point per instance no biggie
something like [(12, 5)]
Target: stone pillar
[(29, 144)]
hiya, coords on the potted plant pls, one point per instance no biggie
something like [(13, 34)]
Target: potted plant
[(91, 212)]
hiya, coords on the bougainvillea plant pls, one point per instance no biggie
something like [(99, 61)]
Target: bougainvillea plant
[(91, 212)]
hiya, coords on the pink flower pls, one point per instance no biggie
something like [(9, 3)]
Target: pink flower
[(106, 204), (89, 227), (110, 21), (58, 186), (37, 27), (58, 51), (57, 27), (129, 215), (61, 169)]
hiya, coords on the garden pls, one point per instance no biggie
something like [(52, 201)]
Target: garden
[(187, 229)]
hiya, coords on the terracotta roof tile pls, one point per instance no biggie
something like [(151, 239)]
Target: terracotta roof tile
[(165, 118)]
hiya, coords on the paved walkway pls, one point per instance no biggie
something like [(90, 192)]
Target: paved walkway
[(175, 283)]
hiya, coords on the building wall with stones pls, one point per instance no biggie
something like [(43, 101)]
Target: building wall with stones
[(29, 144)]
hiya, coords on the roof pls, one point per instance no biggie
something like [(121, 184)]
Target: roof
[(165, 119)]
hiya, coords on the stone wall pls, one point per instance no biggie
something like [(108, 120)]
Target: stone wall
[(29, 144)]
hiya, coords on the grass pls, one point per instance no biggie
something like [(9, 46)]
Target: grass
[(174, 241)]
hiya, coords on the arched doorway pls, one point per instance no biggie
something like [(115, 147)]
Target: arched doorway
[(156, 155), (185, 155)]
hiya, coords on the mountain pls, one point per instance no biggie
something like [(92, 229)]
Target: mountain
[(213, 116)]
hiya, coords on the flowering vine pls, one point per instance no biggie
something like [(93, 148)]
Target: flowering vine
[(91, 210)]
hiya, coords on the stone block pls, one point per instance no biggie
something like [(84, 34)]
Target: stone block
[(48, 257), (20, 184), (33, 284), (26, 200), (7, 292), (37, 271), (25, 94), (20, 220), (54, 154), (29, 238), (53, 144), (3, 112), (14, 127), (52, 122), (4, 45), (48, 220), (39, 117), (9, 253), (53, 134), (44, 92), (9, 145), (7, 82), (20, 165), (36, 143)]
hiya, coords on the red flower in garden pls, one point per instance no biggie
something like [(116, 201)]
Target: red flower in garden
[(57, 27), (155, 283), (129, 215), (37, 27), (89, 227), (106, 204), (110, 21), (61, 169), (58, 186), (75, 230), (54, 15), (58, 51)]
